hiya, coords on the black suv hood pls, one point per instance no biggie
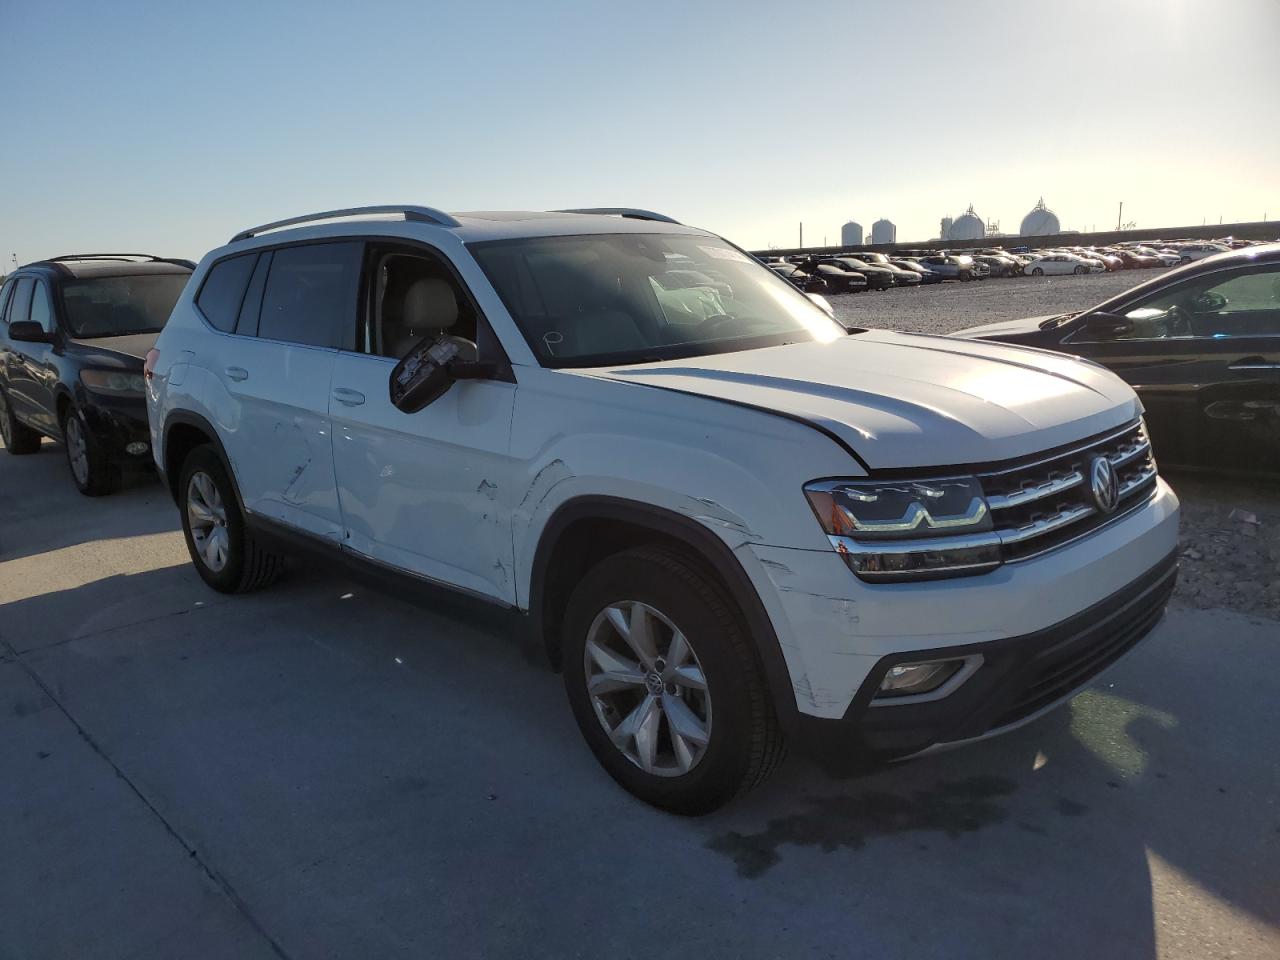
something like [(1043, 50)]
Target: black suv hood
[(129, 350)]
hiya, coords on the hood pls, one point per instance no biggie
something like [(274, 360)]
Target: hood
[(908, 400), (1006, 327), (132, 347)]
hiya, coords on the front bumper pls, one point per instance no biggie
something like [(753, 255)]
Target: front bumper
[(117, 422), (839, 635)]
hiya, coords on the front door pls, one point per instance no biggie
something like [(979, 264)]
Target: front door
[(429, 492), (1204, 356)]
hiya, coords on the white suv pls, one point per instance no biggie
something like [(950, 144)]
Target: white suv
[(726, 518)]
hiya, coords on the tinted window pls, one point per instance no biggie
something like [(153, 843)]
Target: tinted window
[(223, 290), (120, 306), (21, 309), (310, 296), (41, 310), (5, 291), (247, 324)]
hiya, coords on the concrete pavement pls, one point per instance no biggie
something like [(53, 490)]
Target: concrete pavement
[(322, 771)]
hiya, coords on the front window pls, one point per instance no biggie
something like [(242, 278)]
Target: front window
[(119, 306), (1216, 306), (632, 298)]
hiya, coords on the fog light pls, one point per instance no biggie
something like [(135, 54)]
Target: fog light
[(135, 449), (908, 679)]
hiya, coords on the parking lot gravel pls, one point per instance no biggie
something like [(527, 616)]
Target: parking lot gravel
[(1226, 561)]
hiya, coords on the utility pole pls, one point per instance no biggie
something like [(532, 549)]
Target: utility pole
[(1120, 215), (801, 234)]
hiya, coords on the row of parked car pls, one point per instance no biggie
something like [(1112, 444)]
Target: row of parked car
[(678, 470), (866, 270)]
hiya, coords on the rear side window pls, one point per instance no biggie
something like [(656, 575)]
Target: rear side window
[(310, 296), (223, 290)]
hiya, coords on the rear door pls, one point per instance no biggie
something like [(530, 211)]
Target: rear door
[(273, 374), (40, 371)]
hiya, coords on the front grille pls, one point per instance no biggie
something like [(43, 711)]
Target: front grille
[(1042, 505), (1062, 668)]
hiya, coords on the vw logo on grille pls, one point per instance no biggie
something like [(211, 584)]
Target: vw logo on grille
[(1104, 483)]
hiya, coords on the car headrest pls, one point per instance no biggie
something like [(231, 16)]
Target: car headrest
[(429, 303)]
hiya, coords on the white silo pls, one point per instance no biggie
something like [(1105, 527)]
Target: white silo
[(945, 232), (967, 226), (1040, 222), (851, 234), (884, 231)]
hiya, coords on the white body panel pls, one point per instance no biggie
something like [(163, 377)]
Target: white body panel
[(463, 491), (421, 491)]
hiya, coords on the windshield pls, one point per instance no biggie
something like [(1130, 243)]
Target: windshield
[(633, 298), (118, 306)]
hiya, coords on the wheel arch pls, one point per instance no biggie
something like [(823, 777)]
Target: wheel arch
[(586, 529), (183, 432)]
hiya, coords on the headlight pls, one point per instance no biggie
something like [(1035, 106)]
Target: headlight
[(907, 529), (113, 382)]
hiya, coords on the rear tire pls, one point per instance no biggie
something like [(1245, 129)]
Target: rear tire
[(93, 473), (741, 742), (18, 438), (1037, 272), (224, 551)]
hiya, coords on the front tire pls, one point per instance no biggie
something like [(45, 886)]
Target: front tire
[(1037, 272), (94, 474), (18, 438), (224, 551), (665, 684)]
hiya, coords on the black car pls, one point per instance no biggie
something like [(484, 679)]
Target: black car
[(878, 277), (1200, 344), (74, 334), (798, 278), (926, 276), (901, 277), (840, 277)]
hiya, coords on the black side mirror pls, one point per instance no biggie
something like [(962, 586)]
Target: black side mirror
[(426, 372), (28, 331), (1107, 324)]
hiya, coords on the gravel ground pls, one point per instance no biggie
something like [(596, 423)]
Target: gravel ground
[(947, 307), (1227, 562)]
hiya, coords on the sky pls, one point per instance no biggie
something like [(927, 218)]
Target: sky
[(167, 127)]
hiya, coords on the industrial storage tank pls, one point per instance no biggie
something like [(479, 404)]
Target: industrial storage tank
[(1040, 222), (851, 234), (884, 231), (967, 226)]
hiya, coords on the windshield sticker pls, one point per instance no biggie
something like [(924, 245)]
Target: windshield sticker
[(724, 253)]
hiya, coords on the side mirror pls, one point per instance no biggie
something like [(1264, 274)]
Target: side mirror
[(28, 331), (1107, 324), (423, 376), (426, 372)]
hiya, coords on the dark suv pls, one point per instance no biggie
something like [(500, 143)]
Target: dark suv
[(74, 333)]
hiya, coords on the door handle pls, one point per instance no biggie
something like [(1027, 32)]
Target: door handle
[(352, 398), (237, 373), (1253, 363)]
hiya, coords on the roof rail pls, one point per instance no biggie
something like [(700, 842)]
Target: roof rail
[(629, 212), (420, 214), (102, 256)]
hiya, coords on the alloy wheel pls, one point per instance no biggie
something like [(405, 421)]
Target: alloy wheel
[(648, 688), (77, 450), (207, 518)]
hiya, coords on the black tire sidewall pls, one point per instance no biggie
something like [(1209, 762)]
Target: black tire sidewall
[(636, 576), (103, 475), (203, 459)]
